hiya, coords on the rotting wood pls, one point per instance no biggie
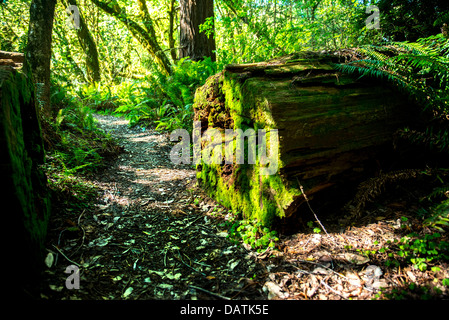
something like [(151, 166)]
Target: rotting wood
[(332, 128), (13, 59)]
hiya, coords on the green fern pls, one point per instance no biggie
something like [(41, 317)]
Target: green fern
[(421, 69)]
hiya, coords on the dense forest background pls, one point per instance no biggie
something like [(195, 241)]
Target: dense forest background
[(126, 56), (144, 60)]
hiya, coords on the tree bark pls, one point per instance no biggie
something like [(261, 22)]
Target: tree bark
[(38, 51), (24, 188), (88, 45), (171, 39), (195, 44)]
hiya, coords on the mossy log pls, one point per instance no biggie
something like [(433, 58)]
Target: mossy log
[(24, 186), (13, 59), (331, 126)]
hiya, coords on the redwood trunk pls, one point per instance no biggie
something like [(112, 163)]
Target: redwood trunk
[(195, 44)]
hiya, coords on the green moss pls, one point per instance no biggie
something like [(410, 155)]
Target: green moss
[(22, 152), (257, 197)]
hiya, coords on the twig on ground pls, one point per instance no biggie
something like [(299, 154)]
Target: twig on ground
[(182, 261), (314, 214), (208, 292), (332, 289), (73, 262)]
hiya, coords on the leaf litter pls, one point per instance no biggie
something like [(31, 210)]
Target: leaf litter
[(147, 238)]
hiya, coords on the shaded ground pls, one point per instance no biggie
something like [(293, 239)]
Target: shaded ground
[(153, 235)]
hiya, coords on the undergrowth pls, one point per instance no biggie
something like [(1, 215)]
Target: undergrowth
[(253, 233), (74, 147), (164, 102), (421, 70)]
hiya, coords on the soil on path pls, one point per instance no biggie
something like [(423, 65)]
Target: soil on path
[(147, 237)]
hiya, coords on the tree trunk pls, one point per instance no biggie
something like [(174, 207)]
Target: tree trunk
[(333, 130), (24, 185), (38, 52), (171, 39), (195, 44), (88, 45)]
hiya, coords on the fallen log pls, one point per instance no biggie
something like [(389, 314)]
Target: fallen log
[(331, 129), (14, 59)]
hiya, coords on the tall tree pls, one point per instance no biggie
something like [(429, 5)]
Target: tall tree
[(171, 39), (38, 51), (87, 44), (192, 42)]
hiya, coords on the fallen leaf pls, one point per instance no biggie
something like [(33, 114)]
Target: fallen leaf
[(355, 258), (273, 290), (411, 276), (49, 260), (118, 278), (233, 265), (173, 277), (128, 292), (56, 288), (165, 286), (222, 234), (159, 273), (103, 207), (320, 270)]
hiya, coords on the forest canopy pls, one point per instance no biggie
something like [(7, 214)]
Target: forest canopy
[(244, 31), (117, 47)]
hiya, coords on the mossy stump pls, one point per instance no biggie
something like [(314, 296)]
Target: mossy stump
[(332, 128), (24, 185)]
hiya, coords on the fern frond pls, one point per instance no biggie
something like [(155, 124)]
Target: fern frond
[(369, 190), (416, 48)]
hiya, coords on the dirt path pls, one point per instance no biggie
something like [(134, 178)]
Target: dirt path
[(148, 238), (154, 235)]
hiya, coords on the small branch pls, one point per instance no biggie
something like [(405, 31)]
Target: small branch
[(314, 214), (189, 266), (73, 262), (332, 289), (211, 293)]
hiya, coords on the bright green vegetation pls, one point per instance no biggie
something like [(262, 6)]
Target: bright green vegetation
[(257, 197), (75, 148), (252, 233)]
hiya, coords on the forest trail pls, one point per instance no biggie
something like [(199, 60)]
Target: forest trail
[(147, 238), (154, 235)]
